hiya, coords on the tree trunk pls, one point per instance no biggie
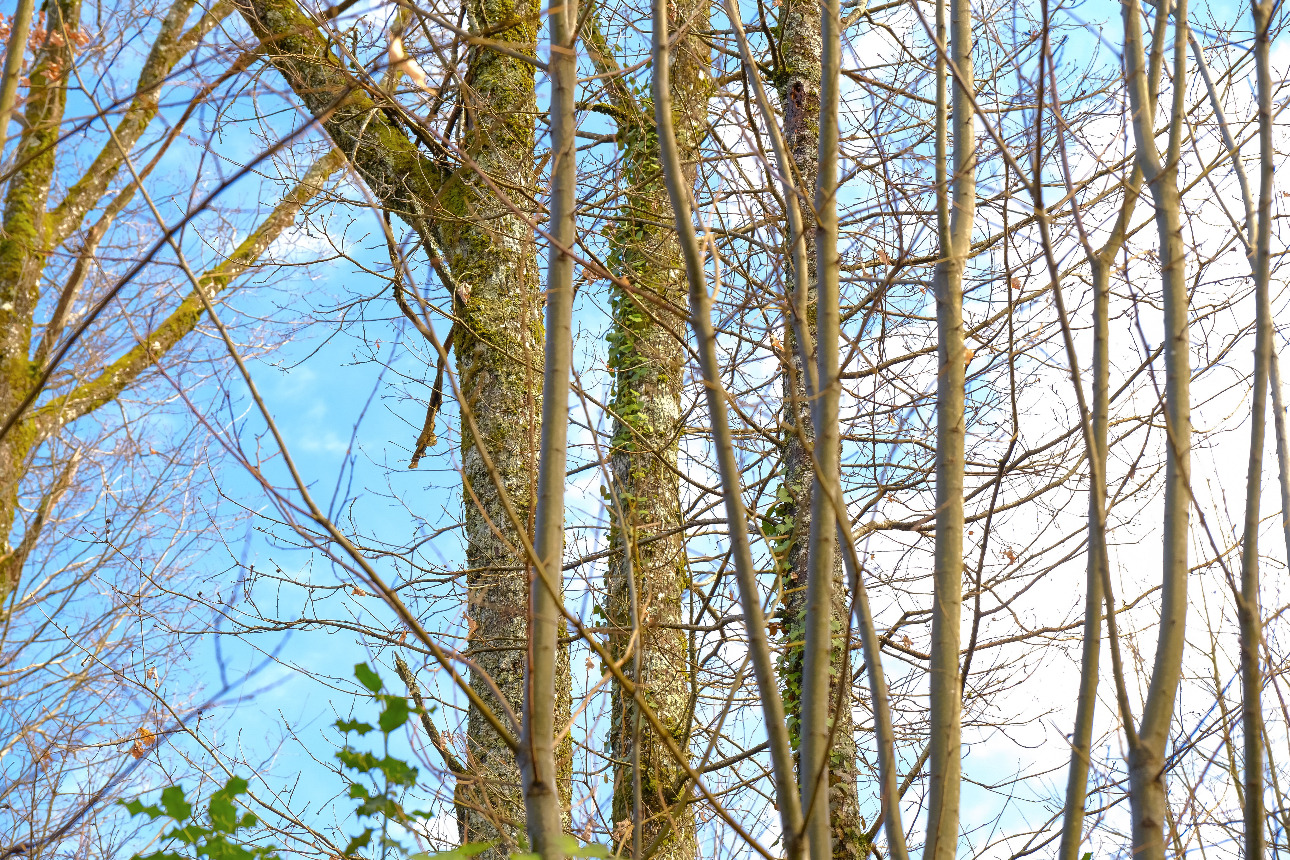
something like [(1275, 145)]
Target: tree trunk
[(825, 672), (1249, 613), (786, 795), (648, 574), (499, 348), (544, 811), (799, 94), (491, 253), (24, 247), (1147, 794), (956, 206)]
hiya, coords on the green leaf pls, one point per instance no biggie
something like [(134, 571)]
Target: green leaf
[(172, 800), (136, 807), (223, 814), (359, 841), (348, 726), (398, 771), (220, 848), (189, 834), (462, 852), (394, 714), (569, 845), (223, 810), (368, 678), (363, 762), (380, 805)]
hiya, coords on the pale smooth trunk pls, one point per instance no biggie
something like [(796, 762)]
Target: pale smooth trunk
[(1248, 605), (1147, 794), (537, 758), (956, 209)]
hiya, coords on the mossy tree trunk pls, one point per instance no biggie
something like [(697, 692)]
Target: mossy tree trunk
[(798, 84), (24, 247), (491, 253), (648, 575), (499, 349)]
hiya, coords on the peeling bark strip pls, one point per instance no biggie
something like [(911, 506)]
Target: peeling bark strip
[(648, 574), (490, 250), (799, 91)]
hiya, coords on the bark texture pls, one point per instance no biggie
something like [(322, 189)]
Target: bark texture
[(750, 597), (798, 85), (499, 344), (491, 253), (648, 574), (24, 248)]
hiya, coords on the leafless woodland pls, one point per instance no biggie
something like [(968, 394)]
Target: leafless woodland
[(771, 428)]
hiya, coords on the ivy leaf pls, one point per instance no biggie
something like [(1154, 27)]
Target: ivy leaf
[(394, 714), (368, 678), (172, 800), (348, 726), (398, 771), (359, 841)]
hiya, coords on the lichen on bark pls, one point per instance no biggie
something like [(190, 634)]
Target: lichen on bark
[(798, 85), (491, 253), (646, 358)]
